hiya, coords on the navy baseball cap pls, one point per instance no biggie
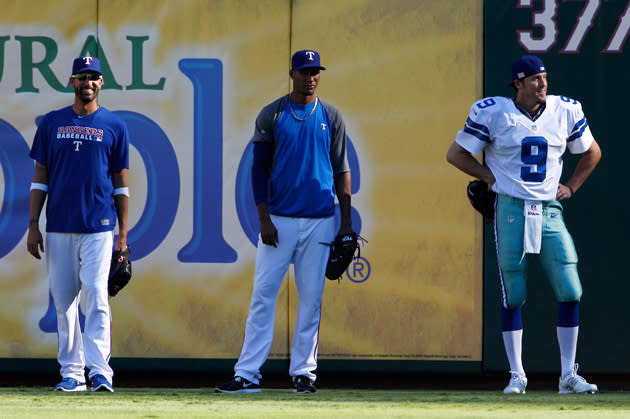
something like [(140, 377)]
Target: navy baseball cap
[(81, 64), (305, 58), (526, 66)]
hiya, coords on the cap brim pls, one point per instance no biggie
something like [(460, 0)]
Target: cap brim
[(81, 70), (309, 66)]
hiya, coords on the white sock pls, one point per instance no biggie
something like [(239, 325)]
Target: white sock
[(567, 341), (512, 340)]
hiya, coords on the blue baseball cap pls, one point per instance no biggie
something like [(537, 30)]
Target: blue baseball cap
[(305, 58), (81, 64), (526, 66)]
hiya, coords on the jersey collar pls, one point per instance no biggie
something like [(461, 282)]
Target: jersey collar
[(536, 114)]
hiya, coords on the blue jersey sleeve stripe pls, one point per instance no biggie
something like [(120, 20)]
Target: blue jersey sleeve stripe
[(478, 130), (477, 134), (580, 125), (475, 125), (578, 129)]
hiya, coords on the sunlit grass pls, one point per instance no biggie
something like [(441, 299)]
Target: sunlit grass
[(175, 403)]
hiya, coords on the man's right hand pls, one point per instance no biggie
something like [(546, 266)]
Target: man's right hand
[(268, 233), (35, 241)]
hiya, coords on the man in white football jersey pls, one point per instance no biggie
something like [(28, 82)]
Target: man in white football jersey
[(523, 140)]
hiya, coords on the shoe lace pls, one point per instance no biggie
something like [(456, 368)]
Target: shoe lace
[(517, 378), (574, 378), (302, 381)]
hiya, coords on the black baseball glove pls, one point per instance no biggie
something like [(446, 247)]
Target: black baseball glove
[(342, 252), (481, 198), (119, 271)]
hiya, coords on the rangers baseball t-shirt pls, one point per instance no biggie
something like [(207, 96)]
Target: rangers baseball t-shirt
[(81, 153)]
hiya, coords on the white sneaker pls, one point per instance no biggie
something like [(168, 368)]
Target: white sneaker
[(517, 384), (573, 383)]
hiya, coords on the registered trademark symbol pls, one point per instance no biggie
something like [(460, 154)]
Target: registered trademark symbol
[(359, 270)]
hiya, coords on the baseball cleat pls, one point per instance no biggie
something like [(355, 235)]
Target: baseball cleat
[(517, 384), (573, 383), (238, 385), (70, 384), (303, 385), (100, 383)]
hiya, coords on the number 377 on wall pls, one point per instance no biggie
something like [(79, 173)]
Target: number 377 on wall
[(546, 20)]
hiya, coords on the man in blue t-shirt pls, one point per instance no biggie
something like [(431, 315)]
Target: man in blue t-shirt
[(300, 165), (81, 155)]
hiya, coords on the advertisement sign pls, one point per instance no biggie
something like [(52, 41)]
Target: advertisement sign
[(189, 79)]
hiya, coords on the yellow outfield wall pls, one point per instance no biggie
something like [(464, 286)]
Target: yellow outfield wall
[(190, 77)]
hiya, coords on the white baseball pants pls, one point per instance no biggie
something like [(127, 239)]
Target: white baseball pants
[(80, 263), (299, 242)]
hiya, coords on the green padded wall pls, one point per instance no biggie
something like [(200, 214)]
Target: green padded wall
[(582, 46)]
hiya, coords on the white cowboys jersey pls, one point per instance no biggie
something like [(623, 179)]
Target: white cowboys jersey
[(525, 154)]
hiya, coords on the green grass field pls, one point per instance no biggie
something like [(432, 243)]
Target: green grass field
[(27, 402)]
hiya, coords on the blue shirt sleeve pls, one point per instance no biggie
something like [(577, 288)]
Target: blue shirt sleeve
[(263, 156)]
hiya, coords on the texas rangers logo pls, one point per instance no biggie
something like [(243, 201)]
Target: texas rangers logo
[(310, 54), (88, 60)]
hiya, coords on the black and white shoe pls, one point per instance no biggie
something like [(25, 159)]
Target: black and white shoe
[(303, 385), (238, 385)]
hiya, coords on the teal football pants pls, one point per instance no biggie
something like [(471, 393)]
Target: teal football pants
[(557, 253)]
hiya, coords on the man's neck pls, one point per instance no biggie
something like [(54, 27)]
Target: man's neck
[(531, 108), (302, 99), (84, 108), (534, 111)]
